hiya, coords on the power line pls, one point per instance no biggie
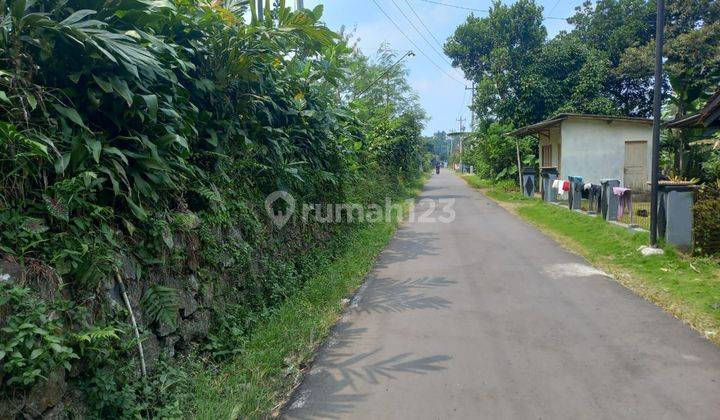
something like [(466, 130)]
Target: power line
[(472, 9), (431, 34), (554, 6), (421, 34), (414, 44), (423, 23)]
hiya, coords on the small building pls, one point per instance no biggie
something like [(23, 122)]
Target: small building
[(595, 147)]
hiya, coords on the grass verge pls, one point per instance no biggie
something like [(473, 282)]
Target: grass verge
[(688, 287), (256, 382)]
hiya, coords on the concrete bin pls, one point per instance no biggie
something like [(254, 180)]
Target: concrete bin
[(575, 193), (675, 215), (609, 203), (548, 175), (529, 181)]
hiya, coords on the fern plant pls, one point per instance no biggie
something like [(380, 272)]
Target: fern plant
[(161, 304)]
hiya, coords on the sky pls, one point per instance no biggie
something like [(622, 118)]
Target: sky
[(440, 87)]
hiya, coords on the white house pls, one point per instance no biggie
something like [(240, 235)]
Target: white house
[(595, 147)]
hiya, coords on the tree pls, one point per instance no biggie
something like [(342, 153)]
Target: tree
[(692, 52), (494, 51), (610, 27)]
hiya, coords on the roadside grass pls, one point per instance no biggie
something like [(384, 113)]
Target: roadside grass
[(686, 286), (256, 382)]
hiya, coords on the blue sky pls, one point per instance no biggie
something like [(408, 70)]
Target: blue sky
[(441, 96)]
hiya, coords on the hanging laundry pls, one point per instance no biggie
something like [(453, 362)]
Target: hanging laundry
[(625, 201), (595, 198), (566, 186)]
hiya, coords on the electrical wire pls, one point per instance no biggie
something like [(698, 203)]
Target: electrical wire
[(427, 29), (554, 6), (415, 45), (472, 9), (423, 23), (441, 55)]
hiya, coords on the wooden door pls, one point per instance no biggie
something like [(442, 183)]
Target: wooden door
[(636, 173)]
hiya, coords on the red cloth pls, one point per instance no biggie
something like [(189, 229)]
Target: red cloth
[(566, 186)]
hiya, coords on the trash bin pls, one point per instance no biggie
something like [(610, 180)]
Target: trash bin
[(575, 193), (548, 175), (675, 214), (529, 181), (609, 204)]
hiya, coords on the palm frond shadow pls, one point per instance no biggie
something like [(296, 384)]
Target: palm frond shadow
[(333, 386), (407, 246), (384, 295)]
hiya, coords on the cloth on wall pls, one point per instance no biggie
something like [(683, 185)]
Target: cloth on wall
[(625, 201), (559, 187), (595, 198)]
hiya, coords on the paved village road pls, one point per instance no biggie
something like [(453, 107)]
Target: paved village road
[(487, 318)]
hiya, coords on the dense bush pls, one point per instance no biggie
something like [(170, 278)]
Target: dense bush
[(706, 226), (138, 140), (494, 154)]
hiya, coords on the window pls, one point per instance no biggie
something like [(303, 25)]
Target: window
[(546, 156)]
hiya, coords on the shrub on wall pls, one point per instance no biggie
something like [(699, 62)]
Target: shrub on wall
[(706, 226), (138, 141)]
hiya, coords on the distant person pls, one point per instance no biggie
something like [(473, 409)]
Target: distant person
[(437, 168)]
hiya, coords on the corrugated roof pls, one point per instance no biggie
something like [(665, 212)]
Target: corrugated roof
[(709, 115), (535, 128)]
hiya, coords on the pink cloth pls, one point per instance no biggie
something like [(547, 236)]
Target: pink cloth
[(619, 191), (566, 186), (625, 201)]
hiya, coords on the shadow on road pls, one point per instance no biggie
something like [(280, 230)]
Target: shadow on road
[(339, 375), (406, 246), (384, 295)]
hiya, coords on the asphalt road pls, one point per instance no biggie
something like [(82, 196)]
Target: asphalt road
[(487, 318)]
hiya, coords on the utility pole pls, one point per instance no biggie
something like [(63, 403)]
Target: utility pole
[(461, 120), (472, 101), (657, 104), (299, 5), (260, 12)]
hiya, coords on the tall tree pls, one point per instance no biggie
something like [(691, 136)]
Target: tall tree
[(610, 27), (494, 51)]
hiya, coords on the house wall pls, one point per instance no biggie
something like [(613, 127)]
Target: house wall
[(596, 149)]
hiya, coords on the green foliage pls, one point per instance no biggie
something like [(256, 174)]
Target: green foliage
[(706, 221), (146, 135), (494, 154), (114, 391), (160, 304), (494, 51), (33, 342)]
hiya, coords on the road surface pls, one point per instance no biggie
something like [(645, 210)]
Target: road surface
[(487, 318)]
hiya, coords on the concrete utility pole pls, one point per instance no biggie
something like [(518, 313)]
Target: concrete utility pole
[(461, 139), (472, 101), (657, 104), (461, 120)]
